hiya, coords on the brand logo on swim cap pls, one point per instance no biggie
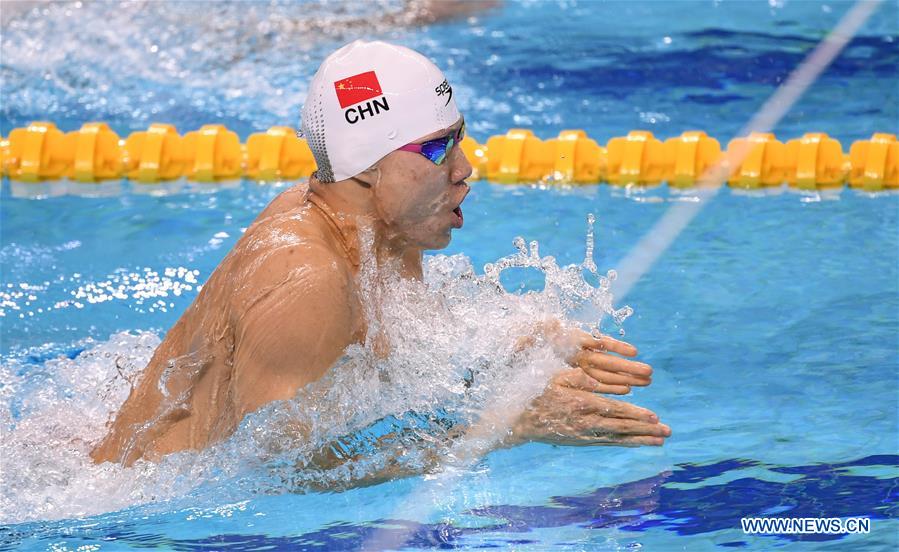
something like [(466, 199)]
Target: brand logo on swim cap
[(357, 89), (445, 88)]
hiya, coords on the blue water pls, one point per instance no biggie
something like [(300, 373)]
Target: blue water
[(772, 322)]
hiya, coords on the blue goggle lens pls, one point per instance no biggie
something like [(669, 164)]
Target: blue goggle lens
[(436, 150)]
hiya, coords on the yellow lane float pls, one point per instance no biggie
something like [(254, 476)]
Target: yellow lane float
[(155, 155), (815, 161), (213, 153), (277, 155), (95, 153), (874, 163), (689, 156), (757, 161)]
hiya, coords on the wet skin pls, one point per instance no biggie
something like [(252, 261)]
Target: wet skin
[(283, 305)]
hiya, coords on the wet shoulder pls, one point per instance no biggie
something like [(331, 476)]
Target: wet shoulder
[(287, 244), (286, 201), (287, 227)]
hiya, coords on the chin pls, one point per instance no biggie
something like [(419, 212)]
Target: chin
[(439, 242)]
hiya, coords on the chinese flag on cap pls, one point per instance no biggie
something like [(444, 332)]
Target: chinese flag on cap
[(357, 88)]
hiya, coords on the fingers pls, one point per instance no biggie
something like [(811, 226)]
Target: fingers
[(614, 378), (611, 363), (578, 379), (612, 408), (620, 426), (608, 369), (608, 343), (622, 432), (628, 441), (614, 389), (570, 412)]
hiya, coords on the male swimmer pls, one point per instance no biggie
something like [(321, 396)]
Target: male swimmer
[(284, 304)]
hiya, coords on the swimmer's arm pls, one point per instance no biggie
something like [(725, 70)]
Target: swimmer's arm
[(393, 452), (567, 413), (295, 331)]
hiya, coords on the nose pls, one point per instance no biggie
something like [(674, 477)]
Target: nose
[(460, 168)]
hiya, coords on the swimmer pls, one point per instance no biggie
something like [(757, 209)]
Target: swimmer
[(284, 304)]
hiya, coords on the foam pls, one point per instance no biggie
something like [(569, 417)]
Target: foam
[(453, 342)]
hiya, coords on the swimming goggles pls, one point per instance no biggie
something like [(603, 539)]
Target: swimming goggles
[(436, 150)]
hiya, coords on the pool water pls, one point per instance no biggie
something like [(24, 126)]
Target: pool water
[(772, 322)]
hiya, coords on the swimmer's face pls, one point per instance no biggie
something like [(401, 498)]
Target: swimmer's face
[(419, 201)]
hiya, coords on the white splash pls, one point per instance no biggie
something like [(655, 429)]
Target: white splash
[(435, 356)]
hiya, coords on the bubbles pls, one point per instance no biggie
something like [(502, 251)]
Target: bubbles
[(50, 414), (439, 355)]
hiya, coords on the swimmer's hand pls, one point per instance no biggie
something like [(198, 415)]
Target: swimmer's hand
[(615, 375), (569, 412)]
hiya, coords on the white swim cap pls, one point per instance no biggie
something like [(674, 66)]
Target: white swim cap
[(368, 99)]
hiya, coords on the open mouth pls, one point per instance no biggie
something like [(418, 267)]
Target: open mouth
[(458, 210), (459, 218)]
